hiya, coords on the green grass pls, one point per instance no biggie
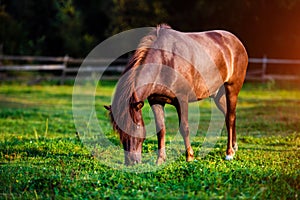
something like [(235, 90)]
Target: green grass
[(42, 157)]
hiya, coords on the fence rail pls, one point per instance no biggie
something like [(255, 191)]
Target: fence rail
[(31, 67), (261, 73), (99, 65), (65, 59), (68, 66), (274, 61)]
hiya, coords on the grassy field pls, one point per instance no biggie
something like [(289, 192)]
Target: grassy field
[(42, 157)]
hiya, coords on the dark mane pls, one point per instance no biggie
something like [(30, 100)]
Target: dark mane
[(125, 89)]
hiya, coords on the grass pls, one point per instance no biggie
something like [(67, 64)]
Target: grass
[(42, 157)]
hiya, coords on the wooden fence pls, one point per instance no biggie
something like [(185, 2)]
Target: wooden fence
[(68, 67), (261, 74)]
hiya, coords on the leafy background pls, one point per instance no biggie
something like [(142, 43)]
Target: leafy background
[(74, 27)]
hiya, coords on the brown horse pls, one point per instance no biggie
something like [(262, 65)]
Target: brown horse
[(172, 67)]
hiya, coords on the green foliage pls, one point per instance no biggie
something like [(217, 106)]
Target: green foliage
[(128, 14), (74, 27), (44, 28), (10, 36), (41, 157)]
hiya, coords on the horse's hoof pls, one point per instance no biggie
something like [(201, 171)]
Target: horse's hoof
[(229, 157), (190, 158), (160, 161), (189, 154)]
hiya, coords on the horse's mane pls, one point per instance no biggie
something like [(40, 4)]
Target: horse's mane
[(143, 48), (126, 85)]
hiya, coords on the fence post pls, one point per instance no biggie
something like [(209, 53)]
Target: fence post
[(65, 63), (264, 67)]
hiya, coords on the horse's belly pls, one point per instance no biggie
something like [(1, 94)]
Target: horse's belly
[(200, 85)]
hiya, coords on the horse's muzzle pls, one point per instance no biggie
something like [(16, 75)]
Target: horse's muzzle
[(132, 158)]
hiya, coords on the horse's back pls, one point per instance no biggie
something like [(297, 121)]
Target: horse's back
[(216, 54), (217, 44), (201, 61)]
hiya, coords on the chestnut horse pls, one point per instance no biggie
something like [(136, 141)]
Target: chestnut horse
[(172, 67)]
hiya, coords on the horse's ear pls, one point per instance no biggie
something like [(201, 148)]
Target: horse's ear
[(108, 107), (138, 105)]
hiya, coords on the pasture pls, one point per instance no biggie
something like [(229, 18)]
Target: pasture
[(42, 157)]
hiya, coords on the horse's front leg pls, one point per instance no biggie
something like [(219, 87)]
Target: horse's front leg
[(182, 110), (158, 110)]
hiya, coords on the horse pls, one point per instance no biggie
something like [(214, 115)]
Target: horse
[(173, 67)]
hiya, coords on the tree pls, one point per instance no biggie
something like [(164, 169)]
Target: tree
[(128, 14), (74, 27), (48, 27), (10, 34)]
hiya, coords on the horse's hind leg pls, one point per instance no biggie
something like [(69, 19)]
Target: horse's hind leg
[(226, 100), (231, 101), (158, 111)]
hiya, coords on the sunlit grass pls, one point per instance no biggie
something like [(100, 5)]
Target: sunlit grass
[(41, 156)]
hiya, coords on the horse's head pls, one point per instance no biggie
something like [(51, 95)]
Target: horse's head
[(131, 130)]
